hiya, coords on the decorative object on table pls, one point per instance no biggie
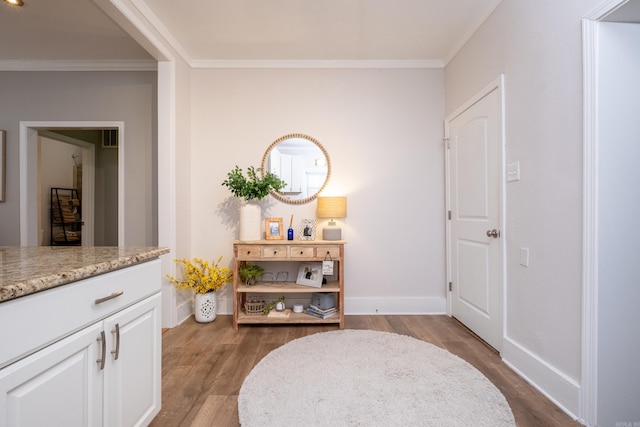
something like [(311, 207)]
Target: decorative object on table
[(368, 378), (310, 274), (273, 229), (280, 314), (332, 207), (297, 308), (250, 273), (323, 300), (290, 230), (272, 305), (307, 229), (251, 188), (205, 279), (254, 306), (280, 306)]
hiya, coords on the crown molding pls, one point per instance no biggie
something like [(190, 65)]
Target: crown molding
[(84, 65), (275, 63)]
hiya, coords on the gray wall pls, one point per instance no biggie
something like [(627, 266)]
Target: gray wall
[(86, 96)]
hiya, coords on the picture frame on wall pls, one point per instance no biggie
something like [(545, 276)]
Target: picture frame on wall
[(307, 229), (273, 229), (3, 162), (310, 274)]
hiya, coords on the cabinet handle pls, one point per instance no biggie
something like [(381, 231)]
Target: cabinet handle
[(275, 252), (102, 339), (301, 252), (116, 331), (105, 299)]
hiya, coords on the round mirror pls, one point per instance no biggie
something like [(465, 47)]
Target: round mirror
[(300, 161)]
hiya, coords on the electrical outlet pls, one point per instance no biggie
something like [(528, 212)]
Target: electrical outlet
[(513, 172)]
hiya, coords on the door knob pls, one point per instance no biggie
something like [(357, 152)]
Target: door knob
[(493, 233)]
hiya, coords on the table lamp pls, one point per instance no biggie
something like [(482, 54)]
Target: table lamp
[(332, 207)]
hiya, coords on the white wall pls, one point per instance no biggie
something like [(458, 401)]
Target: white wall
[(78, 96), (382, 130), (537, 45), (618, 232)]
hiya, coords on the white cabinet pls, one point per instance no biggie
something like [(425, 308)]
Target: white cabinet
[(133, 369), (58, 385), (291, 173), (102, 373)]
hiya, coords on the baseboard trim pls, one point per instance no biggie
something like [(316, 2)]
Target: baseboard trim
[(561, 389), (184, 311), (393, 305)]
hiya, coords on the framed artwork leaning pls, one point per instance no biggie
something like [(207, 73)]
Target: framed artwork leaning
[(273, 229), (307, 229), (310, 274)]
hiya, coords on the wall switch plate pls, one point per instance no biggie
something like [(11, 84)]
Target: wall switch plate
[(524, 257), (513, 172)]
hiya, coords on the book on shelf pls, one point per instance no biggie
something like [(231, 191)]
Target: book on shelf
[(322, 310), (323, 314)]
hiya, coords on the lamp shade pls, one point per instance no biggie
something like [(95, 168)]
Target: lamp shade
[(332, 207)]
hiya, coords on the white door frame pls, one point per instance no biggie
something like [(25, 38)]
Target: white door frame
[(589, 372), (29, 174), (497, 84)]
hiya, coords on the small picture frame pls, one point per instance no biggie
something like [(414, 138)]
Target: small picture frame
[(307, 229), (273, 229), (310, 274)]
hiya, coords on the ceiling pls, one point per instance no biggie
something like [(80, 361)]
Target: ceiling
[(219, 30), (210, 32)]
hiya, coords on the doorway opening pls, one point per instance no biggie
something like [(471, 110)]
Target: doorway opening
[(85, 158)]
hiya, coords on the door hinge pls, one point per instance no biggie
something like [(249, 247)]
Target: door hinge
[(447, 142), (449, 214), (450, 286)]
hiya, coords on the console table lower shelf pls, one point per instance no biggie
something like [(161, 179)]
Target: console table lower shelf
[(283, 289)]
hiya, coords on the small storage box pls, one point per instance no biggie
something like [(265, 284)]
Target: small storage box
[(323, 300)]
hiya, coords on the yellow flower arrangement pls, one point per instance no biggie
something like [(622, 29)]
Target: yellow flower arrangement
[(201, 276)]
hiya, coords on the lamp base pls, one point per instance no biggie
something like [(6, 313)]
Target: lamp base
[(332, 233)]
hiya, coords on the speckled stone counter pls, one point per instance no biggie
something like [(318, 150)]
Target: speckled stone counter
[(26, 270)]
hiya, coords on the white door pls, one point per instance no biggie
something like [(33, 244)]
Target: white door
[(475, 165)]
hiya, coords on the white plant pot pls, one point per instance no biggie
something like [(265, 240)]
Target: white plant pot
[(250, 222), (206, 307)]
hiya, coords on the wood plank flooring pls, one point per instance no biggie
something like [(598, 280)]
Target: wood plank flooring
[(204, 365)]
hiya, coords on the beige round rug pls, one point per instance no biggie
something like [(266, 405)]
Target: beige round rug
[(368, 378)]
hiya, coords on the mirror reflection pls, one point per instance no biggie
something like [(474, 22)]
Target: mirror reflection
[(302, 162)]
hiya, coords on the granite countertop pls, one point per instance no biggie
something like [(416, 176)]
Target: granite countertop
[(26, 270)]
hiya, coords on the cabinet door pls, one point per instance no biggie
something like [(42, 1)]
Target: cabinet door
[(60, 385), (132, 384)]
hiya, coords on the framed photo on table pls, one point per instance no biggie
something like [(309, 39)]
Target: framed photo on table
[(307, 229), (273, 229), (310, 274)]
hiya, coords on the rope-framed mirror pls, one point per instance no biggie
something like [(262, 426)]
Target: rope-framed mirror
[(302, 162)]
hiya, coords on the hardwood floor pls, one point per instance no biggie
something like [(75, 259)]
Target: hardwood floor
[(204, 365)]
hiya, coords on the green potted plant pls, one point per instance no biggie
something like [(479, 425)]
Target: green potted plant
[(251, 188), (204, 279), (250, 273)]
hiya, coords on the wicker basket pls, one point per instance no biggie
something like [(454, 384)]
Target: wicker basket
[(254, 308)]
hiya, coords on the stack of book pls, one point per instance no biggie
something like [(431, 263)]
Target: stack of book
[(318, 312)]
